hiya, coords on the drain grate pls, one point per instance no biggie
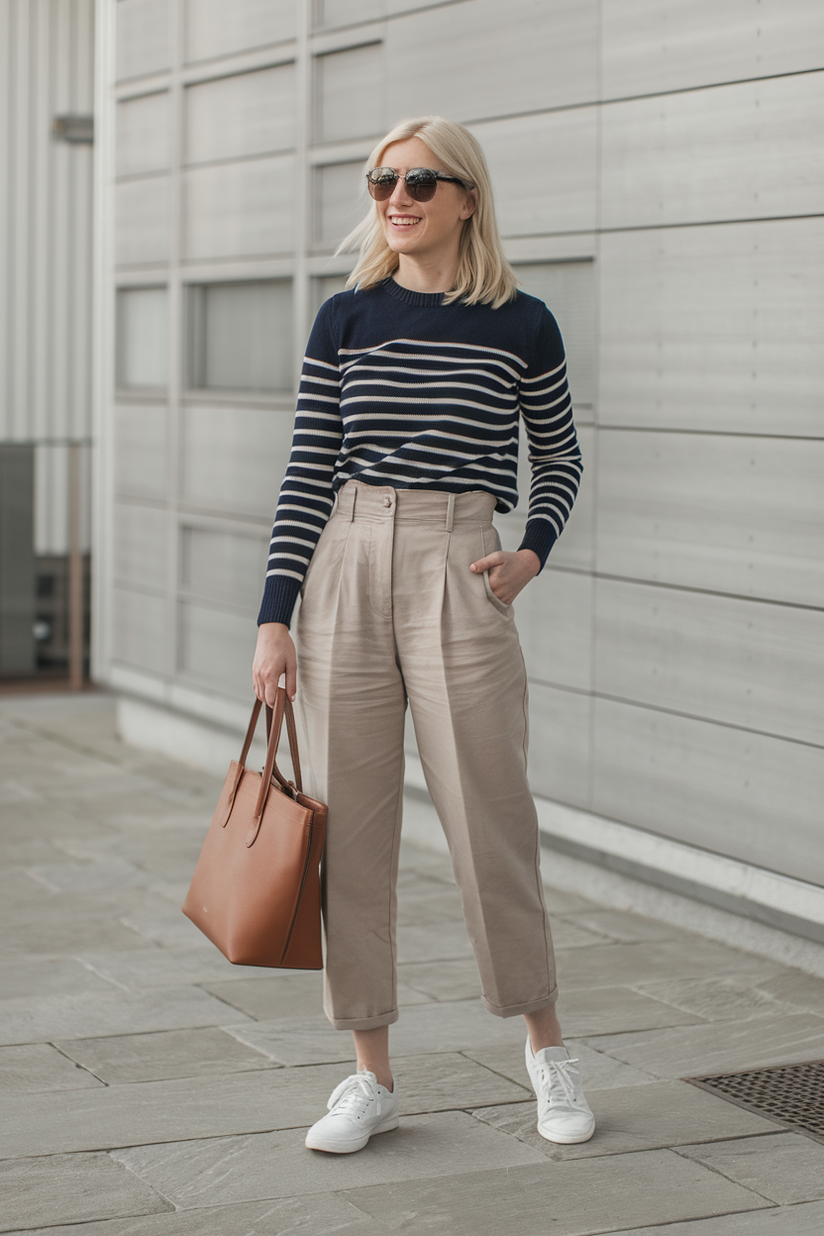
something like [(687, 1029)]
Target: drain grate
[(790, 1093)]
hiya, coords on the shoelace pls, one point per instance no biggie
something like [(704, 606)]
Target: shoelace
[(353, 1096), (554, 1076)]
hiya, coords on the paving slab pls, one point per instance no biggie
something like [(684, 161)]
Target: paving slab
[(429, 908), (717, 999), (693, 957), (803, 1220), (127, 1058), (574, 1198), (639, 1118), (170, 855), (443, 980), (786, 1168), (91, 1014), (560, 901), (795, 987), (237, 1169), (83, 877), (29, 815), (435, 942), (313, 1214), (598, 1071), (701, 1050), (625, 927), (71, 1188), (33, 1068), (52, 976), (269, 997), (297, 1041), (151, 965), (609, 1010), (569, 933)]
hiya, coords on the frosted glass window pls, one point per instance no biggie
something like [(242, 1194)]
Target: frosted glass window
[(568, 289), (349, 89), (142, 337), (241, 336), (340, 201)]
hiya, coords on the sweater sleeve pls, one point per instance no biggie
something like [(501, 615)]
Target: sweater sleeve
[(554, 454), (306, 494)]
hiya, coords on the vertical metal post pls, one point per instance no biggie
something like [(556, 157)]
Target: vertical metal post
[(75, 571)]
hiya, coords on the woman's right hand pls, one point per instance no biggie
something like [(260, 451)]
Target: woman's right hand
[(274, 655)]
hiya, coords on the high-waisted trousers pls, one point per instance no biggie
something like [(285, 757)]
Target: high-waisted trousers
[(391, 613)]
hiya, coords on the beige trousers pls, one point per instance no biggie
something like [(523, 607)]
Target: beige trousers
[(391, 613)]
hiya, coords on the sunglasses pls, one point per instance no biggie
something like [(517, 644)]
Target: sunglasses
[(421, 182)]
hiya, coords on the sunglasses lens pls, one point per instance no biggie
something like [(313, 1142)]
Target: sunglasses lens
[(381, 182), (421, 183)]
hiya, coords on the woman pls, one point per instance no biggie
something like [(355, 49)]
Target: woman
[(407, 424)]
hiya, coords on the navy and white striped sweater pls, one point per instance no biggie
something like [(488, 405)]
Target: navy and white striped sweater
[(399, 389)]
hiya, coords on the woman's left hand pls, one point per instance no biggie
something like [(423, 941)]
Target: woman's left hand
[(508, 572)]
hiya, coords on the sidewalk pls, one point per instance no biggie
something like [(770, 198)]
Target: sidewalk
[(151, 1089)]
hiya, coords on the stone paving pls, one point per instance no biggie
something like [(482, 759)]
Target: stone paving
[(151, 1089)]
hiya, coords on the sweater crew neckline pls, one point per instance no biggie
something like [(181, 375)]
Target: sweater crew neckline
[(424, 300)]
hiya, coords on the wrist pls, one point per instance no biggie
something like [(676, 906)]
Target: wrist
[(530, 559)]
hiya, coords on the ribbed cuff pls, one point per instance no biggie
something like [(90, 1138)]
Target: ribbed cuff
[(539, 536), (279, 596)]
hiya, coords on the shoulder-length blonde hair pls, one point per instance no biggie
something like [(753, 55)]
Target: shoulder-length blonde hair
[(484, 275)]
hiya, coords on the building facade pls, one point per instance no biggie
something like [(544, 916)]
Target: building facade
[(658, 172)]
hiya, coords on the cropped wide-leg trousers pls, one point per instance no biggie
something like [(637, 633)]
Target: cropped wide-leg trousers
[(390, 614)]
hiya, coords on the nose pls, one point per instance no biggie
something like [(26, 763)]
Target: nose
[(400, 195)]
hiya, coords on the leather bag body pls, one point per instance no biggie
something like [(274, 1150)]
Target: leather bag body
[(255, 891)]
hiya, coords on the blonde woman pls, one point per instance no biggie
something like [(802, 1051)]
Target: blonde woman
[(405, 442)]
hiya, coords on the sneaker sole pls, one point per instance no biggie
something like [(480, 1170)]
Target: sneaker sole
[(566, 1141), (351, 1147)]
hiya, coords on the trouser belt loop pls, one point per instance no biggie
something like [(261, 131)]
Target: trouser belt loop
[(450, 512)]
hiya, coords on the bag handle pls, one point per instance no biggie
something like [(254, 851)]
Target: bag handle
[(293, 745), (271, 752)]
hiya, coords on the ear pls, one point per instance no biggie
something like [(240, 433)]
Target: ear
[(470, 204)]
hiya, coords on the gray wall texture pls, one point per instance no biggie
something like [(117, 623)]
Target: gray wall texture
[(658, 170)]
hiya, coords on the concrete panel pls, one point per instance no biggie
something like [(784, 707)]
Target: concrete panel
[(234, 459), (223, 566), (715, 328), (240, 209), (544, 171), (730, 514), (140, 633), (217, 647), (143, 134), (653, 46), (468, 62), (340, 201), (215, 28), (331, 13), (744, 663), (752, 797), (568, 291), (247, 114), (742, 151), (559, 744), (142, 221), (349, 93), (142, 337), (554, 617), (140, 544), (142, 31), (140, 449)]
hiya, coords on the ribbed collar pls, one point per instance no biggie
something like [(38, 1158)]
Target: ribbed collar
[(425, 300)]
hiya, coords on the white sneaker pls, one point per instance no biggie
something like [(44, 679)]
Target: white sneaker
[(563, 1113), (358, 1107)]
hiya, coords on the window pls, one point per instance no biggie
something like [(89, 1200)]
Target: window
[(142, 337), (568, 290), (240, 336)]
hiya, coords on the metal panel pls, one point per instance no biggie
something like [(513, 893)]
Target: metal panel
[(215, 28), (349, 93), (744, 663), (223, 566), (340, 202), (144, 134), (217, 647), (715, 328), (657, 46), (559, 744), (730, 514), (743, 151), (476, 61), (752, 797), (568, 290), (248, 114), (544, 171), (142, 213), (142, 37), (140, 545), (239, 209), (554, 617), (140, 631), (140, 449), (234, 458)]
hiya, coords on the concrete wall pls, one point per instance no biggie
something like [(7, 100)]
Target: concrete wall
[(658, 171)]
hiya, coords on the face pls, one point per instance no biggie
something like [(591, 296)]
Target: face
[(422, 230)]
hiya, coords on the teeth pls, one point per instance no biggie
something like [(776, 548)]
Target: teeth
[(404, 220)]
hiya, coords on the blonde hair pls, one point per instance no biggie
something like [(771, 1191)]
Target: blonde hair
[(484, 275)]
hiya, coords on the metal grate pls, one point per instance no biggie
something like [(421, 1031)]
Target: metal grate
[(790, 1093)]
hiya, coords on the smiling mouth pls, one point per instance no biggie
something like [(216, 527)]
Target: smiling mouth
[(403, 220)]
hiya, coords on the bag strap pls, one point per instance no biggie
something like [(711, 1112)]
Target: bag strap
[(271, 751), (291, 730)]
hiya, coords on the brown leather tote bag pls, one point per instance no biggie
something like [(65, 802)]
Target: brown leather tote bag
[(256, 888)]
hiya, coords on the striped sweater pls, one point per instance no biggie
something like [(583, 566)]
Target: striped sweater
[(399, 389)]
